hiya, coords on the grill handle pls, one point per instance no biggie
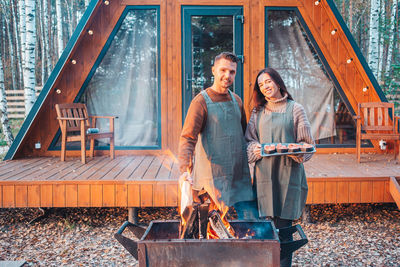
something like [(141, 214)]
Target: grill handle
[(288, 247), (129, 244)]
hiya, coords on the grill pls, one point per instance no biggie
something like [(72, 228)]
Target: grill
[(159, 245)]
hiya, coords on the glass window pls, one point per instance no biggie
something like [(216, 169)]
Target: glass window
[(292, 54), (126, 82)]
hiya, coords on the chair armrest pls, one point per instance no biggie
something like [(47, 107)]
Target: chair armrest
[(396, 121), (356, 117), (73, 119), (104, 117)]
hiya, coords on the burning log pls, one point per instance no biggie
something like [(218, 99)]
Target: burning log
[(218, 226), (196, 224)]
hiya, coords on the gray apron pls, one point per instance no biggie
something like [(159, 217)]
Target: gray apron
[(220, 163), (281, 182)]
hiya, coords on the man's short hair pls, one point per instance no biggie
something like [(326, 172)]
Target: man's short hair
[(228, 56)]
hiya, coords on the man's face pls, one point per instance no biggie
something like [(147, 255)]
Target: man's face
[(224, 72)]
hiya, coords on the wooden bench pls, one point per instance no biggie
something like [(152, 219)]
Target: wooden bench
[(373, 122), (74, 123)]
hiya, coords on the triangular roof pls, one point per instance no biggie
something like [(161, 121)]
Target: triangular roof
[(102, 19)]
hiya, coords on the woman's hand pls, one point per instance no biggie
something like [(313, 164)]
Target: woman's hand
[(257, 150), (299, 158)]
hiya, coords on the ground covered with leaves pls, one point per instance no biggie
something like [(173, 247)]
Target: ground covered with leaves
[(339, 235)]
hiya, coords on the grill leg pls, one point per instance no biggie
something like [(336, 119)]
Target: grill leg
[(133, 215)]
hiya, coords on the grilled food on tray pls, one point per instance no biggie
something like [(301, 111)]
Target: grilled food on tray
[(306, 147), (269, 149), (294, 147), (281, 148)]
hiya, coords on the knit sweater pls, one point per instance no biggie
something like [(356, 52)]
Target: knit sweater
[(301, 129)]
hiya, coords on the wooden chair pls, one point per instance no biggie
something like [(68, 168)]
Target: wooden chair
[(75, 122), (373, 119)]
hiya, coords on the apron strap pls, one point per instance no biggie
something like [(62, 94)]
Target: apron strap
[(235, 103), (206, 97)]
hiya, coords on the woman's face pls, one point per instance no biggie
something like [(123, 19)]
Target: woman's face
[(268, 87)]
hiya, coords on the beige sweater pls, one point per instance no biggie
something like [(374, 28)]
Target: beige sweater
[(302, 127)]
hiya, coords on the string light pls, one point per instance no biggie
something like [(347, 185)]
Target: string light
[(106, 2), (333, 31), (365, 89), (58, 91), (90, 32), (73, 61), (317, 2), (349, 60)]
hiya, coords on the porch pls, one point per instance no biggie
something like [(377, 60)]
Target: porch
[(151, 181)]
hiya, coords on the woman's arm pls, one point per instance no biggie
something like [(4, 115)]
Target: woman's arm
[(302, 130), (253, 144)]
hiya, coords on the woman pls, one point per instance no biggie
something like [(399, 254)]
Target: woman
[(280, 181)]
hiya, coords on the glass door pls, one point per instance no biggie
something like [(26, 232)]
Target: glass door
[(208, 31)]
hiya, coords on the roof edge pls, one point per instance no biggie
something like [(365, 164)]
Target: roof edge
[(51, 80)]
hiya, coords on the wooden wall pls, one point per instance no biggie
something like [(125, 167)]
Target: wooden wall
[(319, 18)]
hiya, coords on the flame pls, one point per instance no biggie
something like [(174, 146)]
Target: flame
[(223, 209), (170, 157)]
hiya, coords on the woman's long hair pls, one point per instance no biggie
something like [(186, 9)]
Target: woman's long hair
[(258, 98)]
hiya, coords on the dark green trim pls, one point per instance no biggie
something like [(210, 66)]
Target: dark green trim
[(357, 50), (103, 52), (51, 80), (186, 13)]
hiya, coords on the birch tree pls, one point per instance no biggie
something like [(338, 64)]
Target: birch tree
[(5, 124), (7, 20), (392, 33), (60, 43), (47, 37), (29, 69), (17, 44), (373, 45), (22, 32)]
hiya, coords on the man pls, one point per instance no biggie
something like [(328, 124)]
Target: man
[(213, 135)]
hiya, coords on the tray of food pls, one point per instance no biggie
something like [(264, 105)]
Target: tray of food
[(279, 149)]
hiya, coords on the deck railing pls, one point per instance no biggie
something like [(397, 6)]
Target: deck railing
[(15, 103)]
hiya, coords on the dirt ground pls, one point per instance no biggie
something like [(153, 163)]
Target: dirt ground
[(339, 235)]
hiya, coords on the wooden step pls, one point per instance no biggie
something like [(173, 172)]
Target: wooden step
[(394, 189)]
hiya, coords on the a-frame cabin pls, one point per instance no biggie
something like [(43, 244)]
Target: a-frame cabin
[(144, 60)]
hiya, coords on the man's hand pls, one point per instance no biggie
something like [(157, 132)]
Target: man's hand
[(185, 177)]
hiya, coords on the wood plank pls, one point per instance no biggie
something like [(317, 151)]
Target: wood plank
[(34, 196), (134, 195), (394, 189), (310, 193), (154, 167), (159, 195), (378, 191), (133, 165), (121, 195), (21, 196), (76, 174), (8, 196), (146, 195), (142, 168), (101, 172), (19, 170), (11, 165), (366, 192), (1, 196), (171, 197), (387, 196), (117, 169), (71, 193), (94, 169), (166, 168), (96, 195), (108, 195), (330, 192), (319, 192), (342, 192), (59, 195), (354, 192), (83, 195), (46, 195)]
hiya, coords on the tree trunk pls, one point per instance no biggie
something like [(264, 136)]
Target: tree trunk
[(373, 46), (3, 108), (17, 45), (86, 3), (29, 70), (351, 16), (11, 50), (22, 27), (60, 43), (392, 33), (47, 37)]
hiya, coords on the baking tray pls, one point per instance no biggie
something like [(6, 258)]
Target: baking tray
[(263, 154)]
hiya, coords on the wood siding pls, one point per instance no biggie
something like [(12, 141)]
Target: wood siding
[(319, 18)]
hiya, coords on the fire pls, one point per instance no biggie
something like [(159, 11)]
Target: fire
[(222, 209)]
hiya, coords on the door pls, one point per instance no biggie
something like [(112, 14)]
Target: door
[(208, 31)]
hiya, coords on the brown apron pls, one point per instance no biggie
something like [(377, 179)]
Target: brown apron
[(220, 163)]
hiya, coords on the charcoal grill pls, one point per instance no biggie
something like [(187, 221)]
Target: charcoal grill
[(159, 245)]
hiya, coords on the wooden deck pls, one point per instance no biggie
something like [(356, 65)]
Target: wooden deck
[(151, 181)]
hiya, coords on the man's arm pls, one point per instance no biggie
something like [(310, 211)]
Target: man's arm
[(194, 124)]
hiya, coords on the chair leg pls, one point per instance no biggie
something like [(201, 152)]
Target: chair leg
[(91, 148), (83, 143), (63, 146), (358, 149), (112, 153)]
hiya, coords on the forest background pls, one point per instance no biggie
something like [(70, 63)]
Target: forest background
[(33, 34)]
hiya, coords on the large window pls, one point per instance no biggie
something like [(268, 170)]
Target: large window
[(292, 53), (126, 81)]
